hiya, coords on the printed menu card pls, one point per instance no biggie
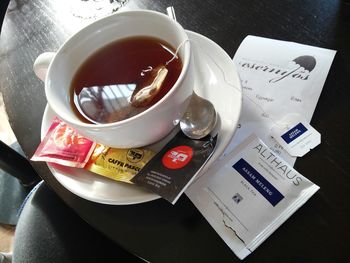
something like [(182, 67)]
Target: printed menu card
[(278, 78)]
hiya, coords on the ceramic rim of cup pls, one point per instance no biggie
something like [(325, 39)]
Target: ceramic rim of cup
[(167, 96)]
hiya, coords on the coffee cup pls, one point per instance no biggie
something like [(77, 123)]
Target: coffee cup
[(58, 69)]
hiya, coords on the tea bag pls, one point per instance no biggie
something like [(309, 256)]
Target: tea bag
[(109, 103), (152, 82), (149, 86), (114, 102)]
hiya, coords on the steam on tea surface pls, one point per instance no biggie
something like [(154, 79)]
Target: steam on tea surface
[(104, 84)]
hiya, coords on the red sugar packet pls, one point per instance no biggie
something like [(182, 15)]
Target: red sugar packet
[(63, 145)]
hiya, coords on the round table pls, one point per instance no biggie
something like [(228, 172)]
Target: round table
[(158, 231)]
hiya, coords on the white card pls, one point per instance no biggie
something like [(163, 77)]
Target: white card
[(278, 77)]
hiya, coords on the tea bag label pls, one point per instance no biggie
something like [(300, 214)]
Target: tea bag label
[(296, 136), (263, 186)]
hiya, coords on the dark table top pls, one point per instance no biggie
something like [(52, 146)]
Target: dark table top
[(158, 231)]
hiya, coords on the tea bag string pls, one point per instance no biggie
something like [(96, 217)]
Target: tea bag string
[(264, 113), (177, 51)]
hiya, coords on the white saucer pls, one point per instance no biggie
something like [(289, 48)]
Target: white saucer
[(216, 70)]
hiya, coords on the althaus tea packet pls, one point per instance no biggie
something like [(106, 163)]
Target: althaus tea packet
[(249, 194)]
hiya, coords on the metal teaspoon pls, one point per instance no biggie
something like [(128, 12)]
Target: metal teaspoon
[(200, 116)]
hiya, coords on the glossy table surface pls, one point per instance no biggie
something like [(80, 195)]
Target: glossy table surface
[(156, 230)]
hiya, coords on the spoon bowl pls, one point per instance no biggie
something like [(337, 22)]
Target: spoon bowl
[(199, 119)]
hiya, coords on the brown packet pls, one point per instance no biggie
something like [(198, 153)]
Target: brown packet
[(118, 164)]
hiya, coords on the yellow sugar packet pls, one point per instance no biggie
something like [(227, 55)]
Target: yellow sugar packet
[(118, 164)]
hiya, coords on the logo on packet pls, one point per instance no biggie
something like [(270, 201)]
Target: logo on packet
[(177, 157), (134, 155)]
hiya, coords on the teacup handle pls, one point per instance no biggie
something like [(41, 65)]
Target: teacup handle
[(41, 64)]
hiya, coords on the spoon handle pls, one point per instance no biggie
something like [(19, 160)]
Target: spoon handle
[(171, 12)]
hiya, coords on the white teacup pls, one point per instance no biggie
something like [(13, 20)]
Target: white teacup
[(149, 126)]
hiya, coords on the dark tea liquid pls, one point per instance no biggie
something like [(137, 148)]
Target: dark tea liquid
[(102, 86)]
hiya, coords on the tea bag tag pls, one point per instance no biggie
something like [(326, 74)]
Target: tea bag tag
[(296, 135)]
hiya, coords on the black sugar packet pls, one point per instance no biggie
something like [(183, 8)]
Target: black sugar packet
[(171, 170)]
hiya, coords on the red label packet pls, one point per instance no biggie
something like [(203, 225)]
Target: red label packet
[(172, 169), (63, 145)]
